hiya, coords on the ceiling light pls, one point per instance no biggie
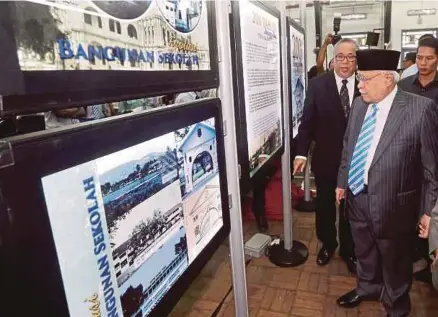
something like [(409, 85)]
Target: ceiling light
[(354, 16), (421, 12)]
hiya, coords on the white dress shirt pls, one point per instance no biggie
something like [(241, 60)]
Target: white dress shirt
[(350, 86), (382, 114)]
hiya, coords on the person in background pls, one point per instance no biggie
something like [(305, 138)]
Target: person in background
[(412, 70), (321, 54), (410, 59), (432, 234), (388, 171), (326, 110), (425, 81), (191, 96), (64, 117)]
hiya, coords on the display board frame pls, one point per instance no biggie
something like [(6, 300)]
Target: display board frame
[(291, 23), (35, 91), (246, 180), (28, 247)]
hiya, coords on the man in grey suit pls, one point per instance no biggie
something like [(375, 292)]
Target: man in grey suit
[(433, 243), (388, 172)]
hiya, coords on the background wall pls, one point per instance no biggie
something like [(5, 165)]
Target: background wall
[(374, 10)]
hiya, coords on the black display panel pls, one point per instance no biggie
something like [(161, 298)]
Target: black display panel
[(255, 30), (298, 75), (61, 53), (113, 218)]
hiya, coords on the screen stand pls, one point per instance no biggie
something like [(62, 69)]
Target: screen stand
[(307, 204), (237, 255), (287, 253), (258, 205)]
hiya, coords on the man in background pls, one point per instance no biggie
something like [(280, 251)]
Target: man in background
[(425, 81), (412, 70), (325, 115), (410, 59)]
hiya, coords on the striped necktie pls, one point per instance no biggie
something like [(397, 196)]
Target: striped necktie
[(356, 174)]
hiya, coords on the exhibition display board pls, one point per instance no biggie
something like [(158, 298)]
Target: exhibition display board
[(118, 219), (297, 67), (63, 53), (258, 86)]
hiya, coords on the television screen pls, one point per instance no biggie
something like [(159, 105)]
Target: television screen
[(105, 44), (128, 224)]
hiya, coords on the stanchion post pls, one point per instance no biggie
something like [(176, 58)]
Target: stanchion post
[(306, 204), (226, 95), (288, 252)]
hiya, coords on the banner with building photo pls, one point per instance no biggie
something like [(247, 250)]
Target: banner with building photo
[(298, 77), (260, 38), (158, 35)]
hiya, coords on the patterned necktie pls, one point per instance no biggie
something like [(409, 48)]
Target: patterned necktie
[(345, 99), (356, 174)]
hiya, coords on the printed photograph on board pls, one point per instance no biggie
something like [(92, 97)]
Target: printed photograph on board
[(197, 155), (112, 35), (142, 201), (202, 216), (160, 271), (182, 15), (298, 78), (127, 10)]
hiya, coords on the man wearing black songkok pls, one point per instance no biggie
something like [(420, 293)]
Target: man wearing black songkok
[(388, 172)]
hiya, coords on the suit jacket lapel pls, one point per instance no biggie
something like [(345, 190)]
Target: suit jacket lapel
[(357, 124), (356, 89), (395, 118)]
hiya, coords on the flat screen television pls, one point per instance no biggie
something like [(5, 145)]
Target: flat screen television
[(60, 53), (113, 218), (255, 29)]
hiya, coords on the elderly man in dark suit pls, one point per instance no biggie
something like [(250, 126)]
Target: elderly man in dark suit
[(326, 110), (388, 171)]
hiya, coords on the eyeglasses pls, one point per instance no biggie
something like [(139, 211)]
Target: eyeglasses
[(361, 77), (341, 58)]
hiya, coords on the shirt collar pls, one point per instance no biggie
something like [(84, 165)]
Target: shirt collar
[(416, 81), (386, 103), (339, 79)]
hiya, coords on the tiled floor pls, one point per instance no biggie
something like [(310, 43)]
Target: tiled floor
[(305, 291)]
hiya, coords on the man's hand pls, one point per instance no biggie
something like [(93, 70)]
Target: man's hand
[(340, 194), (435, 260), (423, 227), (328, 39), (299, 165)]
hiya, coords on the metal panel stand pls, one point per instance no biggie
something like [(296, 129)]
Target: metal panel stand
[(288, 252), (307, 204), (226, 95)]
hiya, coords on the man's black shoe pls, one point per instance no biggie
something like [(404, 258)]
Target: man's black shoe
[(351, 263), (350, 300), (324, 255)]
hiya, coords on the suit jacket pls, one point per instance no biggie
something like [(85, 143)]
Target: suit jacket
[(404, 169), (433, 229), (323, 122)]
